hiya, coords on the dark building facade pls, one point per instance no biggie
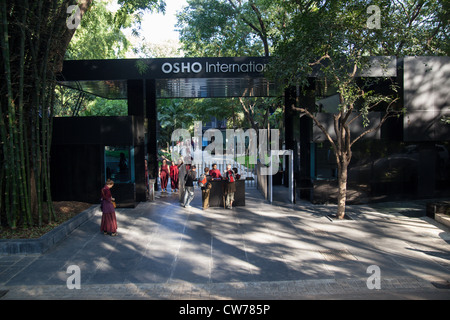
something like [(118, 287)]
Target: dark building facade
[(88, 150), (407, 158)]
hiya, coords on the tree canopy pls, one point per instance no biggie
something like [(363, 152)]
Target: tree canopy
[(230, 27), (341, 30), (100, 35), (334, 40)]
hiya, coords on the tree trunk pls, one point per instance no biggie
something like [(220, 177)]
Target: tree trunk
[(342, 185)]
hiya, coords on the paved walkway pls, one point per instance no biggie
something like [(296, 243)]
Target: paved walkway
[(259, 251)]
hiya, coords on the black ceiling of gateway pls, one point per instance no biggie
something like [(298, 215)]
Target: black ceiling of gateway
[(213, 88), (174, 77), (108, 89), (181, 88)]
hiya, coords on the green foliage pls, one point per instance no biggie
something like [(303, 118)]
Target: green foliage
[(31, 42), (445, 120), (105, 107), (100, 35), (337, 32), (412, 28), (166, 49), (69, 102), (128, 7), (234, 28), (332, 40), (230, 28), (178, 113)]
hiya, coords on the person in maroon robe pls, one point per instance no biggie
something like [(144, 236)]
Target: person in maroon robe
[(174, 173), (164, 175), (146, 176), (109, 221)]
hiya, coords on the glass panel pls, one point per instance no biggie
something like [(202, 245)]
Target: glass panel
[(119, 164), (326, 166)]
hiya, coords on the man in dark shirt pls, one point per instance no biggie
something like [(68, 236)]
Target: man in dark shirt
[(189, 179)]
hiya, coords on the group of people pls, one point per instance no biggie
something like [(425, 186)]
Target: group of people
[(204, 182), (190, 176), (186, 187)]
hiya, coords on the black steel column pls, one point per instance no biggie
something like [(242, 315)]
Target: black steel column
[(306, 99), (135, 94), (152, 122), (289, 117), (136, 108)]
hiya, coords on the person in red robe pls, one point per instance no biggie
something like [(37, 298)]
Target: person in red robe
[(164, 175), (215, 173), (109, 221), (174, 173)]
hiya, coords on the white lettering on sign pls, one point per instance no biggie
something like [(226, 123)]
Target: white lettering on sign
[(235, 67), (183, 67), (197, 67)]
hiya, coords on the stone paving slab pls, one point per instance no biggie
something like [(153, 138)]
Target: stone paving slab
[(259, 251), (272, 290)]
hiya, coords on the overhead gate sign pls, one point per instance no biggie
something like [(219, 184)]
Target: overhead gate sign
[(164, 68)]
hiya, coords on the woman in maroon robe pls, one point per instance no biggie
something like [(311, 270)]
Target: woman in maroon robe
[(174, 172), (109, 222), (164, 175)]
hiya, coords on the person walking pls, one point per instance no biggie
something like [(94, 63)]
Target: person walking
[(189, 186), (109, 222), (205, 184), (230, 189), (181, 173)]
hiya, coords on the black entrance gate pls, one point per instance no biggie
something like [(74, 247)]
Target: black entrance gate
[(79, 166)]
